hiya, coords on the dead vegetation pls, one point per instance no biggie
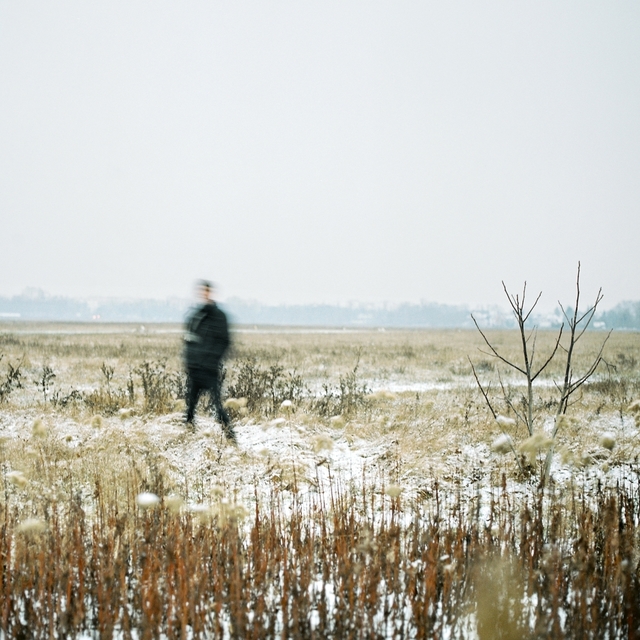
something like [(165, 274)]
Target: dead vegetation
[(370, 562), (435, 536)]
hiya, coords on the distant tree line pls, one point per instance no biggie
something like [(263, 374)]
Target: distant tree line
[(44, 308), (625, 315), (40, 306), (356, 315)]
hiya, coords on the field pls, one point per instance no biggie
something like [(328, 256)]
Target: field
[(370, 495)]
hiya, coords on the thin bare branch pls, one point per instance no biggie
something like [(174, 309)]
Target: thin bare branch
[(510, 404), (495, 415), (592, 309), (493, 351), (486, 353), (533, 306), (484, 393), (574, 385), (589, 315), (532, 334), (564, 313), (550, 358)]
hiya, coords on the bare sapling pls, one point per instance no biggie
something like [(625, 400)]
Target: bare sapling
[(523, 407), (578, 322), (526, 367)]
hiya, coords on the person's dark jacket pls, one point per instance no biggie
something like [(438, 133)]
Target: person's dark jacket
[(206, 338)]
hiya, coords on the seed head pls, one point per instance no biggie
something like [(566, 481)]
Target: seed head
[(608, 440), (202, 511), (566, 455), (240, 512), (322, 442), (17, 478), (533, 445), (502, 444), (199, 508), (394, 490), (31, 526), (174, 503), (504, 421), (563, 422), (147, 500), (586, 459), (39, 429)]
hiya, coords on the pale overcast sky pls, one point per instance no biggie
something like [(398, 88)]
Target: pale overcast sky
[(320, 151)]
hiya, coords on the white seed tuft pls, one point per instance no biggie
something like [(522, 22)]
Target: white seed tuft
[(146, 500), (202, 511), (394, 490), (39, 428), (217, 491), (533, 445), (502, 444), (322, 442), (608, 440), (31, 525), (17, 478)]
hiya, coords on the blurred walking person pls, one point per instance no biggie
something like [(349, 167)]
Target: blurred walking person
[(206, 341)]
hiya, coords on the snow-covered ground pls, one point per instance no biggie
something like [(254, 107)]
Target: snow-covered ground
[(310, 452)]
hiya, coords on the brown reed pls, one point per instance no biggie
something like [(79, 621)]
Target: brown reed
[(544, 564)]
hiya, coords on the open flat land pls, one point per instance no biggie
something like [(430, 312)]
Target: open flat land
[(370, 495)]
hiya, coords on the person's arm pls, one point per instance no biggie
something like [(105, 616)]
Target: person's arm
[(225, 337)]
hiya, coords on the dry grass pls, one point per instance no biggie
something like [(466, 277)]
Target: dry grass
[(336, 563), (287, 535)]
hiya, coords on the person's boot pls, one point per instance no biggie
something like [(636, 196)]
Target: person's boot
[(230, 433)]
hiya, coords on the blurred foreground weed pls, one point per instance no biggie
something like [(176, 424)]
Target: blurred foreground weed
[(265, 387)]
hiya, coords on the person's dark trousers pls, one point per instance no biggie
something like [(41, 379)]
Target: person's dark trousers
[(199, 380)]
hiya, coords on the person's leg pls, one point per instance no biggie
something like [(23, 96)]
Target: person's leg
[(216, 402), (194, 388)]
